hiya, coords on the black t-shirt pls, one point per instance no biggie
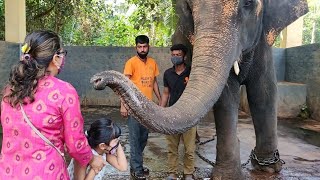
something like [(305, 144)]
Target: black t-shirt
[(176, 83)]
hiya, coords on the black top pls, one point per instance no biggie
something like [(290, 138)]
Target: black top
[(176, 83)]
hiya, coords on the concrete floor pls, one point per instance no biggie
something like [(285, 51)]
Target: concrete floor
[(299, 147)]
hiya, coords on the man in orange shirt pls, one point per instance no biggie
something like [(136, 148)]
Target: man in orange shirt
[(142, 71)]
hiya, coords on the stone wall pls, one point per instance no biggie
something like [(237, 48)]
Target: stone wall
[(303, 66)]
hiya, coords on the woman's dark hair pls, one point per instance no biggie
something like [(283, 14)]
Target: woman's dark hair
[(102, 131), (142, 39), (24, 76)]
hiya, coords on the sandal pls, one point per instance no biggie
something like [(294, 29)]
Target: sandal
[(138, 176), (146, 171)]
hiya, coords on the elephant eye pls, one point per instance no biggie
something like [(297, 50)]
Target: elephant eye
[(248, 3)]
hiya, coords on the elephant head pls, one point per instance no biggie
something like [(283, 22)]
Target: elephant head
[(221, 31)]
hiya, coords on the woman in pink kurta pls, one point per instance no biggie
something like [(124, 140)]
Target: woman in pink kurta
[(53, 108)]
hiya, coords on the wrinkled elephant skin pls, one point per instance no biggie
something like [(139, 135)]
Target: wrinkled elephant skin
[(224, 34)]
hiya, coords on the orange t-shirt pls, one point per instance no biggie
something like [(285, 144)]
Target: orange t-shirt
[(142, 74)]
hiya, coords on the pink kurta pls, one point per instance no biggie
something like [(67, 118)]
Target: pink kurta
[(56, 113)]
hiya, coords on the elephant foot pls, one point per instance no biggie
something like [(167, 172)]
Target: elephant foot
[(227, 172), (269, 163)]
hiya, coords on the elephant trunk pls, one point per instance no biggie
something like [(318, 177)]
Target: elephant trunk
[(214, 54)]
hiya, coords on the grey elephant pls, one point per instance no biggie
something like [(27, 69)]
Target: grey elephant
[(231, 42)]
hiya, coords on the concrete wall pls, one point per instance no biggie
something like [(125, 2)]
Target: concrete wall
[(279, 57), (291, 97), (303, 66), (297, 71), (82, 63), (296, 65), (9, 55)]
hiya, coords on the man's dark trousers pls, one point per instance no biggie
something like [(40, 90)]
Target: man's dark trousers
[(138, 136)]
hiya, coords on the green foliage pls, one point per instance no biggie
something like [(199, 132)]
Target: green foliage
[(2, 20), (311, 33), (115, 25), (304, 112), (156, 18), (117, 22), (87, 22), (100, 22), (52, 15), (109, 23), (277, 41)]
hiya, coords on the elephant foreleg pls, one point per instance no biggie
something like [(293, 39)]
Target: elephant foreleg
[(228, 148), (262, 97)]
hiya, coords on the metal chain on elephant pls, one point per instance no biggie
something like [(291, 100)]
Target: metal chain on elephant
[(267, 161), (202, 157), (212, 163)]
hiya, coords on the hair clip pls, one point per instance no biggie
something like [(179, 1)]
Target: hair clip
[(25, 48), (25, 57)]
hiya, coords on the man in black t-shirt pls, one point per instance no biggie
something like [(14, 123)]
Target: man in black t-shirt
[(175, 80)]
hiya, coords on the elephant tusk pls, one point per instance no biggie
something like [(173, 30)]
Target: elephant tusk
[(236, 68)]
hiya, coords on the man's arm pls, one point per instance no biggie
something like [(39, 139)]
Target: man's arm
[(156, 90), (123, 110), (165, 97)]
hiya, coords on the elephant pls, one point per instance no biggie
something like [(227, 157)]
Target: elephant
[(231, 42)]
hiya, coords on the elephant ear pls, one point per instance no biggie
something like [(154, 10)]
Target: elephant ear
[(278, 14)]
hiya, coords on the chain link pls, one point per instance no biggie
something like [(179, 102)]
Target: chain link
[(262, 162), (205, 142), (246, 163), (267, 161), (212, 163)]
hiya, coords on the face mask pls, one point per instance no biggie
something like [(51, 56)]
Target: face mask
[(176, 60), (142, 56), (63, 59), (113, 150)]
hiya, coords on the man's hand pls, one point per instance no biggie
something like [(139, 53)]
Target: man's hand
[(165, 97)]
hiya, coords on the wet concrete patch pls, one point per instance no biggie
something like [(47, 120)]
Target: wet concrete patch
[(307, 130), (301, 156), (298, 147)]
